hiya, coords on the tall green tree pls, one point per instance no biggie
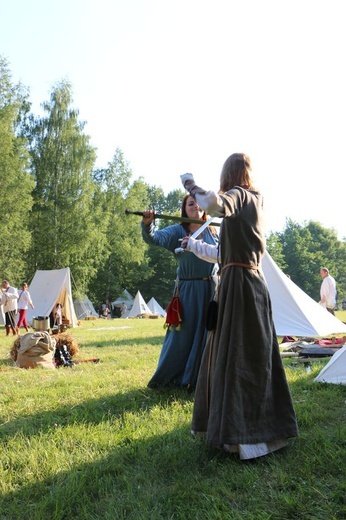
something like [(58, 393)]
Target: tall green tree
[(275, 249), (124, 263), (341, 276), (296, 247), (66, 223), (329, 252), (16, 183), (162, 264), (308, 247)]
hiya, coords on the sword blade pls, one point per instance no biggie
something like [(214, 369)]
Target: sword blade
[(203, 227)]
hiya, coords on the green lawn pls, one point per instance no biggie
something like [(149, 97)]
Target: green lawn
[(93, 442)]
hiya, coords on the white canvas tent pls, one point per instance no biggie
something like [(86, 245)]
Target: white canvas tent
[(156, 308), (124, 298), (335, 370), (84, 308), (139, 307), (294, 312), (48, 288)]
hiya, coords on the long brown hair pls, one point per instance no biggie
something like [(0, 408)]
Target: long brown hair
[(186, 225), (236, 172), (184, 214), (183, 207)]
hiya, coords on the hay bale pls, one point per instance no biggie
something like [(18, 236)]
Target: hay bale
[(15, 348), (65, 338)]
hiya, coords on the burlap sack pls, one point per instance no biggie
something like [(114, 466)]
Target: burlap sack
[(36, 350)]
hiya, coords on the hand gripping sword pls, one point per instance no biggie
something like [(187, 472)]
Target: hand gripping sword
[(216, 221)]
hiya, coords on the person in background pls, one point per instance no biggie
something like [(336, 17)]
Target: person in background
[(9, 298), (58, 315), (242, 400), (183, 346), (24, 301), (327, 290), (123, 309), (106, 312)]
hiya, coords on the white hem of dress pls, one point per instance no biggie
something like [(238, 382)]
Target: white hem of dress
[(252, 451)]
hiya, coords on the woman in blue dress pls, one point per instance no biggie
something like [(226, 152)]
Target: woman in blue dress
[(182, 348)]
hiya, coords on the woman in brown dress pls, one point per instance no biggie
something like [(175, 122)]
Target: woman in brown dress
[(242, 399)]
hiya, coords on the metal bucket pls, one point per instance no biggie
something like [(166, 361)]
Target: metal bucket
[(41, 323)]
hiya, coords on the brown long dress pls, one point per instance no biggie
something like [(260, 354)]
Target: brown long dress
[(242, 396)]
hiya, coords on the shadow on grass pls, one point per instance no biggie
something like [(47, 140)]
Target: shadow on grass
[(173, 475), (94, 411), (129, 471)]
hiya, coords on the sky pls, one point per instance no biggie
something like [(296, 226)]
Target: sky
[(179, 85)]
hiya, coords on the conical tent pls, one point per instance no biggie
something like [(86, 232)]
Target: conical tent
[(139, 307), (294, 312), (84, 308), (156, 308), (49, 288), (125, 298), (335, 370)]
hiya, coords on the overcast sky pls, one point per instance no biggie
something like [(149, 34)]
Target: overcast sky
[(179, 85)]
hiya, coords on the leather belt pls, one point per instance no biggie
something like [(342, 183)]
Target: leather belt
[(205, 278), (239, 264)]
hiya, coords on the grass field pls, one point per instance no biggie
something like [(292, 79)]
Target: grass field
[(93, 442)]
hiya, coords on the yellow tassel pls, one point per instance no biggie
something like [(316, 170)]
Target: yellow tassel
[(169, 326)]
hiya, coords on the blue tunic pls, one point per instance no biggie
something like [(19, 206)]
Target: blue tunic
[(182, 349)]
